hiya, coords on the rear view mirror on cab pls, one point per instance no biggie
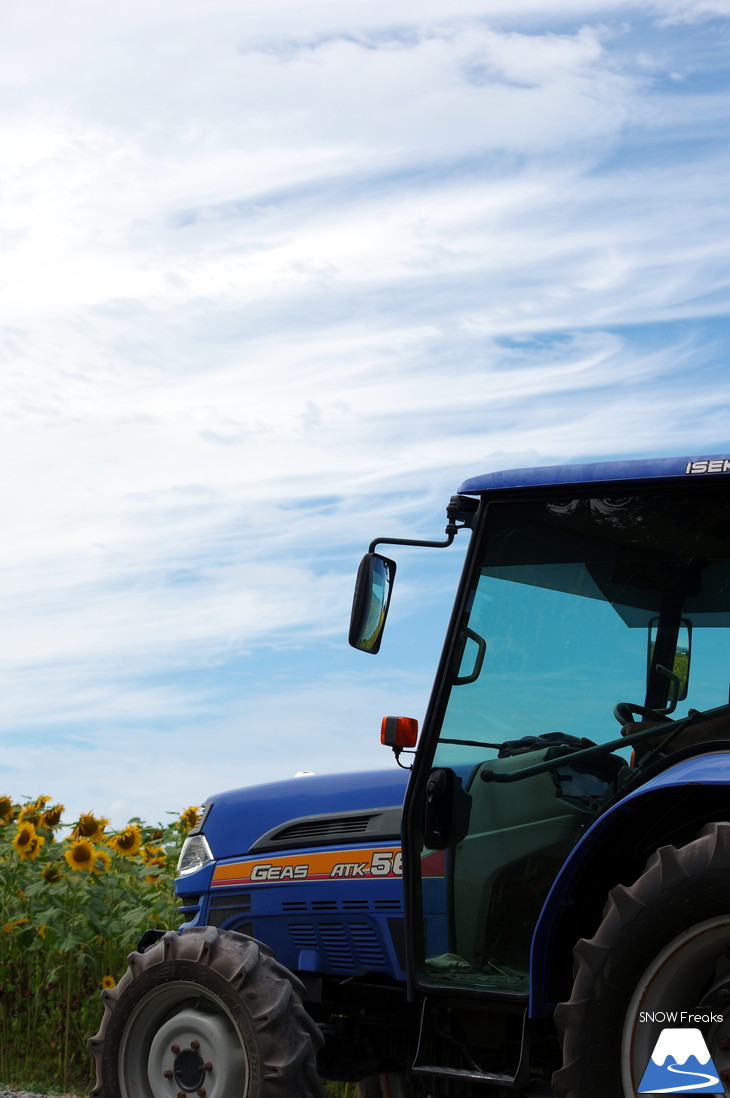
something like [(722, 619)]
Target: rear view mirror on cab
[(373, 588), (668, 661)]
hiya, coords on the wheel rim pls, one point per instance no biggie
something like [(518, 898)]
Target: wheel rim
[(690, 970), (181, 1039)]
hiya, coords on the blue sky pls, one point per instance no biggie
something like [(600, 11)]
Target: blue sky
[(276, 279)]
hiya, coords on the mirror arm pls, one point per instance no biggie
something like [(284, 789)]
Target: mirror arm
[(460, 513), (450, 531)]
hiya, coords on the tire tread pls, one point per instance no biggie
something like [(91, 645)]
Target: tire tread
[(666, 869), (288, 1037)]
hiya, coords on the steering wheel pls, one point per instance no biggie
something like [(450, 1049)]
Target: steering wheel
[(624, 713)]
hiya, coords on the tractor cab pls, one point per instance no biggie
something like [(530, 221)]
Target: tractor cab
[(589, 642)]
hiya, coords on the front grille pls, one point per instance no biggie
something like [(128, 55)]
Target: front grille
[(228, 906), (337, 946), (189, 905), (348, 947), (304, 936), (367, 945)]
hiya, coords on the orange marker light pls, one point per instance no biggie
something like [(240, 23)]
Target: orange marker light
[(399, 731)]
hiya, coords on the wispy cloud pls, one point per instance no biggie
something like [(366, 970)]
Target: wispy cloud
[(274, 282)]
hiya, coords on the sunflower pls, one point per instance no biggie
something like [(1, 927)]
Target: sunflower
[(127, 842), (51, 874), (108, 982), (27, 841), (89, 826), (30, 813), (6, 809), (51, 817), (153, 855), (35, 847), (189, 818), (154, 863), (80, 855), (103, 861), (8, 928), (34, 809)]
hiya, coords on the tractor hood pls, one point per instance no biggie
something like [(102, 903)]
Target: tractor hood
[(306, 811)]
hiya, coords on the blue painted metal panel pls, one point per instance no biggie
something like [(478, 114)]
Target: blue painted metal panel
[(334, 908), (340, 926), (602, 472), (346, 924), (240, 816), (712, 768)]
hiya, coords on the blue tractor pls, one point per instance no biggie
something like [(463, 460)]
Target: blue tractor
[(544, 909)]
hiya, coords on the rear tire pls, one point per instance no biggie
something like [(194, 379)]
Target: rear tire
[(206, 1010), (662, 947)]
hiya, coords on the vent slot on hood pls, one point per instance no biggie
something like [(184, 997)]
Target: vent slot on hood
[(381, 824)]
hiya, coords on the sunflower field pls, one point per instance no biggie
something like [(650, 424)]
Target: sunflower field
[(74, 900)]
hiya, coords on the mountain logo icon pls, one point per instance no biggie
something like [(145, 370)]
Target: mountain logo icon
[(680, 1064)]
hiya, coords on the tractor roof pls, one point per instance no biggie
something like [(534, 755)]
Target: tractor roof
[(602, 472)]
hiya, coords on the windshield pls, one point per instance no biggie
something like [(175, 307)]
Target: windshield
[(564, 599)]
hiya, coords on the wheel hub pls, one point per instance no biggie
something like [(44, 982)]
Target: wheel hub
[(717, 1035), (189, 1070), (193, 1052)]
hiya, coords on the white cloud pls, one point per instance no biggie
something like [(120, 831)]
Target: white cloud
[(691, 11), (275, 279)]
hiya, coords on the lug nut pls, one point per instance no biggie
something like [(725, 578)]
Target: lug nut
[(725, 1074), (181, 1094), (168, 1073), (174, 1049), (195, 1045), (724, 1043), (207, 1066), (201, 1092)]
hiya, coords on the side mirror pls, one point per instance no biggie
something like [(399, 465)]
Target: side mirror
[(370, 603), (668, 662)]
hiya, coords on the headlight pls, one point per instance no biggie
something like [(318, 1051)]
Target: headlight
[(194, 855)]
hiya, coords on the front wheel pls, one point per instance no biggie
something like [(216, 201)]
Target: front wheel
[(658, 966), (208, 1012)]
